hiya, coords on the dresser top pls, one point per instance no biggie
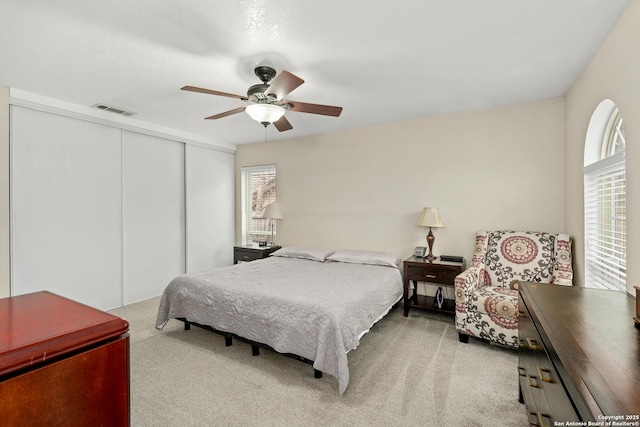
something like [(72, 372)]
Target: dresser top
[(40, 326), (590, 336)]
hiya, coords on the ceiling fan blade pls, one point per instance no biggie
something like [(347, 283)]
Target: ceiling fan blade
[(325, 110), (226, 113), (212, 92), (282, 124), (283, 84)]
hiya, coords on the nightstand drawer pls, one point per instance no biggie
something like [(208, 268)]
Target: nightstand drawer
[(247, 255), (431, 274)]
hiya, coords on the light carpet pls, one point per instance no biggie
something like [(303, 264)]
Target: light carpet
[(406, 371)]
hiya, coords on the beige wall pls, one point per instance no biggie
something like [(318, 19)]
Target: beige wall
[(5, 286), (498, 168), (613, 73)]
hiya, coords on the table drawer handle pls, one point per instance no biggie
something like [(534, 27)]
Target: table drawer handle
[(533, 344), (534, 421), (545, 420), (430, 276), (533, 382), (522, 372), (545, 375)]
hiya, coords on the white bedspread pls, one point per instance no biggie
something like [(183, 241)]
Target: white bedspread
[(317, 310)]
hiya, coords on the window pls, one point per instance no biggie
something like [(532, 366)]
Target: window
[(605, 200), (258, 190)]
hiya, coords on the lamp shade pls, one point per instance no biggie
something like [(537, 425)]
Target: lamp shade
[(430, 217), (272, 211), (265, 113)]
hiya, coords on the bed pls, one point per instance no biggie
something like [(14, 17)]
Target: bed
[(312, 303)]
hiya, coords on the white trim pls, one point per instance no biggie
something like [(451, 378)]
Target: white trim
[(63, 108), (596, 131), (11, 214), (260, 168), (122, 208), (185, 212)]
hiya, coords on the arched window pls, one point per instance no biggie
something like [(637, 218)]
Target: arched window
[(605, 211)]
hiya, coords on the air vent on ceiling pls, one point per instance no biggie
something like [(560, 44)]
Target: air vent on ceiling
[(114, 110)]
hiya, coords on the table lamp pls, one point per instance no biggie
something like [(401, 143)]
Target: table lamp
[(272, 212), (430, 217)]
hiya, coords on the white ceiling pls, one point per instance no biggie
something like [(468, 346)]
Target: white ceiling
[(380, 60)]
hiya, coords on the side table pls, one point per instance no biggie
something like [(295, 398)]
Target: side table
[(252, 252), (418, 269)]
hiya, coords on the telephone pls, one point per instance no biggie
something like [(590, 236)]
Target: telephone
[(420, 252)]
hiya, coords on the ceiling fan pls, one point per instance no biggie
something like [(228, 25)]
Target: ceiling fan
[(267, 103)]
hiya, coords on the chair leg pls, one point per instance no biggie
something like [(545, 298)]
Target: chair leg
[(463, 337)]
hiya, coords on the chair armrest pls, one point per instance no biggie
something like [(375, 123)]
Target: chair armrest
[(465, 283)]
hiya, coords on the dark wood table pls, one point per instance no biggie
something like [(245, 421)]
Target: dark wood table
[(252, 252), (438, 272), (62, 363), (578, 346)]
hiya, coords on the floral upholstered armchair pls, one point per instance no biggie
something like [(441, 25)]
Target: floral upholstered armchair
[(487, 291)]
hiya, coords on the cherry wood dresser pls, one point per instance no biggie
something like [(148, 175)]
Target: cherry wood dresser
[(579, 356), (62, 363)]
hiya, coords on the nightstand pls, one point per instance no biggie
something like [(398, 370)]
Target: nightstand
[(252, 252), (435, 272)]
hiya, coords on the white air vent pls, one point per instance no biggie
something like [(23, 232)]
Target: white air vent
[(113, 110)]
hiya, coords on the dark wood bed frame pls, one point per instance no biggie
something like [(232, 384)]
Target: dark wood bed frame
[(255, 346)]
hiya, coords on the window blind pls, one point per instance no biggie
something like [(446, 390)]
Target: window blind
[(605, 223), (257, 190)]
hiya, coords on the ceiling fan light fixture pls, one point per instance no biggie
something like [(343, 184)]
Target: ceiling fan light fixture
[(266, 102), (265, 113)]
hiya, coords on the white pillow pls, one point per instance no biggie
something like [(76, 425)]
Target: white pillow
[(365, 257), (313, 254)]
